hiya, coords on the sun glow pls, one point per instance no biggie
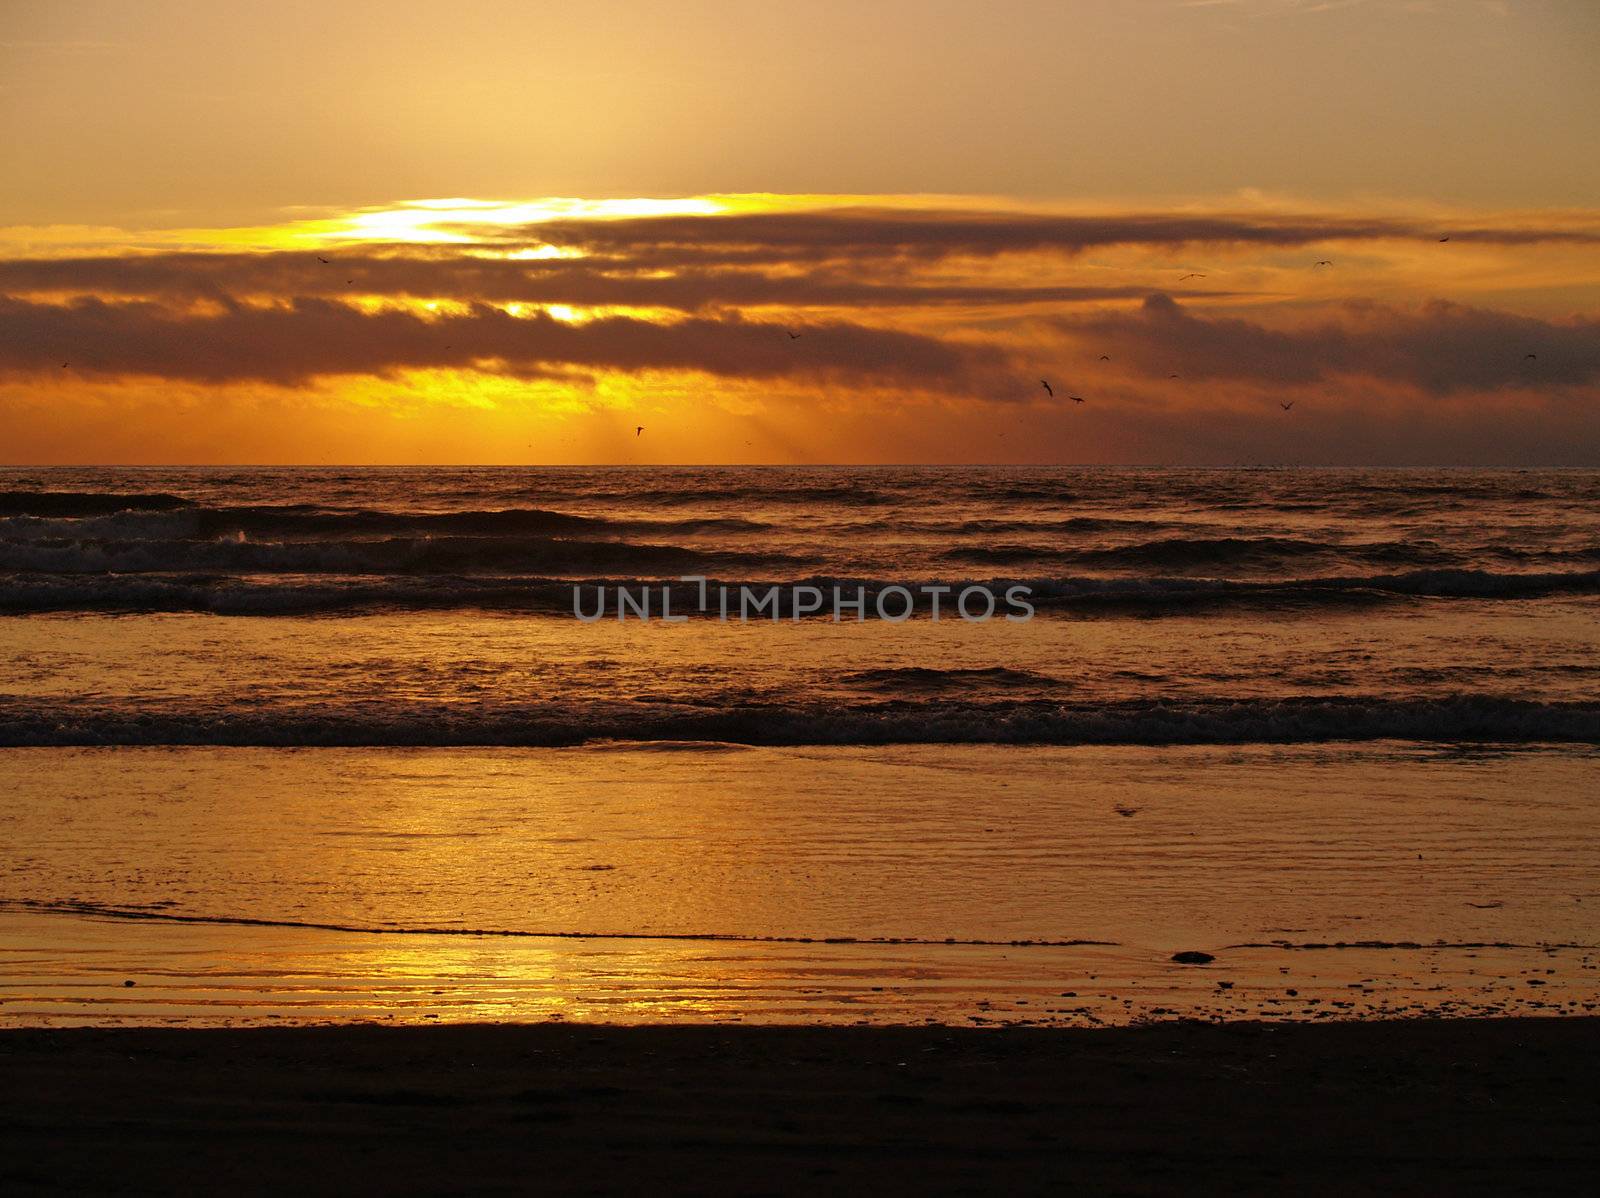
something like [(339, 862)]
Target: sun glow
[(454, 221)]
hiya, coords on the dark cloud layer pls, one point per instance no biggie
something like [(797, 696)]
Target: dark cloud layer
[(867, 233), (1441, 347), (306, 338), (196, 316), (468, 277)]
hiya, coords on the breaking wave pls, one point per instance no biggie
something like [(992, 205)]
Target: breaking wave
[(86, 503), (368, 589), (1456, 719), (1205, 553), (391, 555), (189, 522)]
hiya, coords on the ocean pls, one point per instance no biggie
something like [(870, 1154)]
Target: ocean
[(303, 742)]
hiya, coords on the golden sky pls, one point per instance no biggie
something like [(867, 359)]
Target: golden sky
[(808, 232)]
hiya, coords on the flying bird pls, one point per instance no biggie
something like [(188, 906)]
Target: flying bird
[(1075, 398), (1172, 376), (1125, 811), (1287, 406), (794, 336), (1191, 275), (1048, 389), (1444, 239), (1530, 357), (1325, 262), (638, 430), (322, 260), (1105, 357), (63, 366)]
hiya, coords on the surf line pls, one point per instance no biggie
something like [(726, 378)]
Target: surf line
[(101, 911)]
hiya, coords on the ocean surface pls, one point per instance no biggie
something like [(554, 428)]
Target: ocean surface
[(1252, 709), (414, 607)]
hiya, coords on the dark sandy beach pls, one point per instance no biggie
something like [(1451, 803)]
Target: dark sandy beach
[(1403, 1107)]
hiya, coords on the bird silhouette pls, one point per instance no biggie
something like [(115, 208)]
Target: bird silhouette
[(1127, 812), (1172, 376), (1325, 262), (637, 431), (1049, 390), (1444, 239), (1287, 406), (322, 260), (1105, 357), (1075, 398), (1191, 275), (63, 366), (1529, 357), (794, 336)]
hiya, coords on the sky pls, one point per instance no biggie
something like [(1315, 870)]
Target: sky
[(801, 233)]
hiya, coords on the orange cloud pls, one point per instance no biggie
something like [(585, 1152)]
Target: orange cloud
[(762, 312)]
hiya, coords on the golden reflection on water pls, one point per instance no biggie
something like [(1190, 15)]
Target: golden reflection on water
[(199, 974), (1167, 848)]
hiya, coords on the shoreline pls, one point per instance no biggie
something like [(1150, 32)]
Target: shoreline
[(1502, 1105), (61, 970)]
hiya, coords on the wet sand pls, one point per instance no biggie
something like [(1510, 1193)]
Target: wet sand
[(1453, 1106), (1172, 847), (65, 970)]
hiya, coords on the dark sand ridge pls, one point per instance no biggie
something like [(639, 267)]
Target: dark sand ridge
[(1455, 1106)]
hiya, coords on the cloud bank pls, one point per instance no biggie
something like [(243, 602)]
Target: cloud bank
[(1176, 320)]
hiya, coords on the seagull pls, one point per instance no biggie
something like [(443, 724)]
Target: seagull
[(1444, 239), (1287, 406), (794, 336), (1075, 398), (63, 366), (1325, 262), (1191, 275), (1105, 357), (1530, 357), (322, 260), (1048, 389), (1172, 376), (638, 430), (1126, 812)]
